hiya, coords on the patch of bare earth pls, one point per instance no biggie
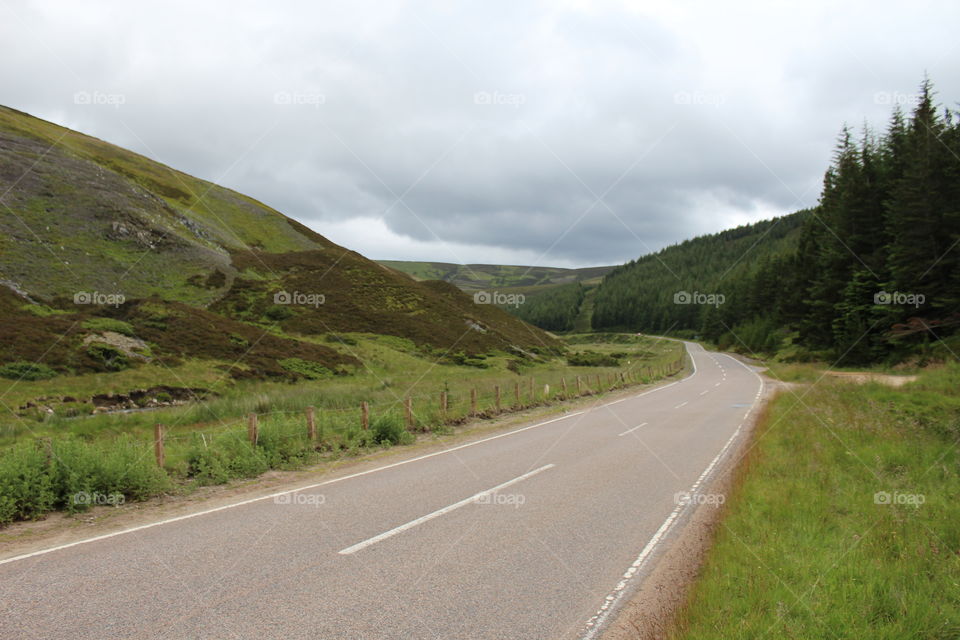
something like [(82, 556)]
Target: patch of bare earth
[(857, 377)]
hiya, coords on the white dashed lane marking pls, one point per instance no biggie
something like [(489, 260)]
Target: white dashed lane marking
[(439, 512), (632, 429)]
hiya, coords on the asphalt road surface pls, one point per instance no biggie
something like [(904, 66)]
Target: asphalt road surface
[(538, 532)]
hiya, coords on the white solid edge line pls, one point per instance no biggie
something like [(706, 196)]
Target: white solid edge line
[(632, 429), (595, 624), (232, 505), (439, 512)]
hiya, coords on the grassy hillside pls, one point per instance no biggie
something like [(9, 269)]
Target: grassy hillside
[(112, 262), (82, 214)]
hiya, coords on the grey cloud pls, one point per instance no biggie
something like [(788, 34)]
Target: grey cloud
[(498, 123)]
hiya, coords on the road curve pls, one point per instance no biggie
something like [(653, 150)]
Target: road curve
[(539, 532)]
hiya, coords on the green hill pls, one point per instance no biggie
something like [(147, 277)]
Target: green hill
[(546, 297), (109, 260)]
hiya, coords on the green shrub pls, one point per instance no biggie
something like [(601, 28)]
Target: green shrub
[(468, 359), (281, 449), (278, 312), (109, 324), (107, 356), (305, 368), (592, 359), (72, 474), (226, 456), (121, 467), (26, 491), (205, 465), (337, 338), (389, 429), (26, 371)]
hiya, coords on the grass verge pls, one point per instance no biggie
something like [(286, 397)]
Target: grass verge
[(71, 464), (845, 522)]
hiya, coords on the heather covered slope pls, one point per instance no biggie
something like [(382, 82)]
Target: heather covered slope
[(202, 271)]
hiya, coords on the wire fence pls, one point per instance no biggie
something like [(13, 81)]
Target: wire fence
[(422, 412), (69, 473), (329, 422)]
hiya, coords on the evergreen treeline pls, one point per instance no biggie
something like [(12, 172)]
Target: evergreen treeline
[(553, 310), (868, 274)]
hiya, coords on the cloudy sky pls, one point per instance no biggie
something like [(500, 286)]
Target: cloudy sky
[(566, 133)]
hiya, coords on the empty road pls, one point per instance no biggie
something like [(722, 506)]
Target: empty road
[(525, 534)]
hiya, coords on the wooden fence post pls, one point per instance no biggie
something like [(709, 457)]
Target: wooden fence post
[(158, 445), (497, 391), (408, 412), (364, 415), (253, 429), (564, 382), (598, 383), (579, 387), (311, 425), (443, 404), (473, 401)]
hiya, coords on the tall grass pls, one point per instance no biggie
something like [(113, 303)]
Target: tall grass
[(846, 523)]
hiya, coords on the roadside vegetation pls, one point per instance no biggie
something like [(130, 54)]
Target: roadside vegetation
[(64, 461), (845, 521)]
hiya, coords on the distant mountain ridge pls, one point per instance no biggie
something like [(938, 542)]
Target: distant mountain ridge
[(475, 277)]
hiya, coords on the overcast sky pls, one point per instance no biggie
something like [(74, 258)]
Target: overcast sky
[(552, 133)]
